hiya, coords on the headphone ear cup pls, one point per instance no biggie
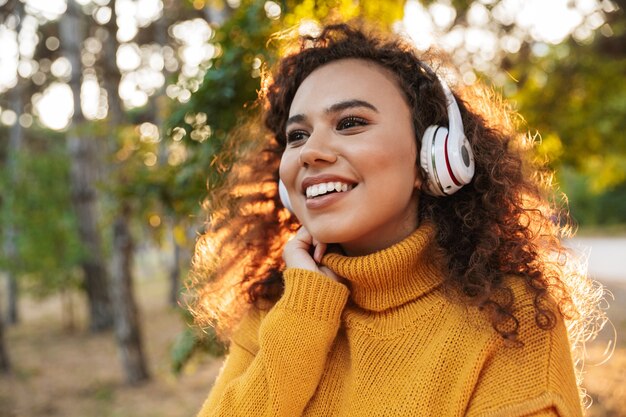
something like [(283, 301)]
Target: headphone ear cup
[(447, 160), (284, 196), (461, 159), (428, 160)]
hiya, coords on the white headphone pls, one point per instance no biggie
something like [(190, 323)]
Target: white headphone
[(284, 196), (446, 155)]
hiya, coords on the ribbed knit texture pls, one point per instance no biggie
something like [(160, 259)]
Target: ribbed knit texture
[(390, 343)]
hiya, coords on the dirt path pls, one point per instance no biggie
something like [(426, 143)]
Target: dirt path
[(77, 374)]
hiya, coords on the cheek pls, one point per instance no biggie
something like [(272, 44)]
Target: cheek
[(396, 160), (281, 171), (286, 168), (399, 168)]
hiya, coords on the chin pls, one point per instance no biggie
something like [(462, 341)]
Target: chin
[(324, 236), (329, 235)]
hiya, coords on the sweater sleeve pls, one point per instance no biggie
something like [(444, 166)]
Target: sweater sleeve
[(293, 341)]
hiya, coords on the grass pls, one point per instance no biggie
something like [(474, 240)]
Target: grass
[(77, 374)]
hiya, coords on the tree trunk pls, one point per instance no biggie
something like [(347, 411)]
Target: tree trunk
[(127, 327), (13, 316), (67, 311), (11, 231), (158, 103), (84, 169), (175, 276), (13, 150), (112, 76), (5, 364), (126, 315), (156, 111)]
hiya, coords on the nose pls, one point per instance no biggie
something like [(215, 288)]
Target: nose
[(317, 150)]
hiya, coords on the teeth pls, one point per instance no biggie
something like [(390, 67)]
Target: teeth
[(321, 189)]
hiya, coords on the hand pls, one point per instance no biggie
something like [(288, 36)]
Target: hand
[(297, 254)]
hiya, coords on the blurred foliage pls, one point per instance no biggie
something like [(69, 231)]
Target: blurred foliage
[(578, 103), (203, 123), (383, 13), (190, 342), (47, 245), (575, 97), (605, 208)]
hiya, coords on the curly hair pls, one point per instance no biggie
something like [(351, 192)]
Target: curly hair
[(504, 223)]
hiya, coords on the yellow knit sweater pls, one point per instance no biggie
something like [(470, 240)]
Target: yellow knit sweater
[(391, 343)]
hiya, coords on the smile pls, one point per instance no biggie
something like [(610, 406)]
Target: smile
[(327, 188)]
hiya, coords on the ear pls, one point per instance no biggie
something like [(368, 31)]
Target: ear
[(418, 178)]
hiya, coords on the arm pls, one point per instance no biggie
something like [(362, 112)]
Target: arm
[(294, 340)]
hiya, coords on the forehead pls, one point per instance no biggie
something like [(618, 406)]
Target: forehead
[(347, 79)]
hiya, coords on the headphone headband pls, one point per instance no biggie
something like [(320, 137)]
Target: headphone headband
[(455, 123)]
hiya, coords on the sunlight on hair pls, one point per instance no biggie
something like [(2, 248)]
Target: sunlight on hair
[(591, 308), (246, 231)]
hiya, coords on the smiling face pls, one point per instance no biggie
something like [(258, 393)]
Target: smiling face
[(350, 161)]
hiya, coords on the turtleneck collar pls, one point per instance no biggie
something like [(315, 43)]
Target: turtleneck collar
[(393, 276)]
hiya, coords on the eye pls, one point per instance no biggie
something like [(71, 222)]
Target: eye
[(350, 122), (296, 136)]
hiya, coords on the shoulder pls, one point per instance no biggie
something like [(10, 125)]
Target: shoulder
[(536, 374)]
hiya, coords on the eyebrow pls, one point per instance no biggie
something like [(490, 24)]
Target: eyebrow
[(335, 108)]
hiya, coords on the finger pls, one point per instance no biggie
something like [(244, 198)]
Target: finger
[(320, 249), (303, 235), (326, 271), (298, 252), (303, 239)]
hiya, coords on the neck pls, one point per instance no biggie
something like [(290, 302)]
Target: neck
[(365, 246), (378, 240)]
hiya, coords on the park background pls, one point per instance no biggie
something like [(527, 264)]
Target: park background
[(115, 117)]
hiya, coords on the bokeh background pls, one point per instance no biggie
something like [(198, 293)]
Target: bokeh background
[(115, 117)]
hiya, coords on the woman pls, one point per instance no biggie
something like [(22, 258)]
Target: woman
[(426, 276)]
